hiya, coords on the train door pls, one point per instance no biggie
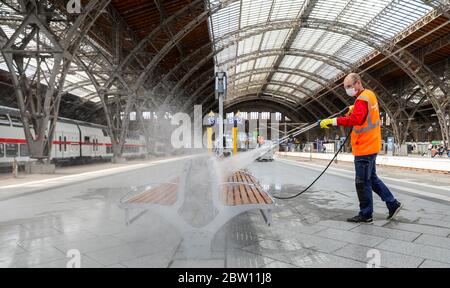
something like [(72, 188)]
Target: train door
[(65, 150), (59, 145), (87, 146), (76, 145), (94, 146), (67, 139)]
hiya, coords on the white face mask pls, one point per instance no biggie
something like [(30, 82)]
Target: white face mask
[(351, 92)]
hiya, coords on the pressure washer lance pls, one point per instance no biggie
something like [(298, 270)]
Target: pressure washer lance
[(303, 130)]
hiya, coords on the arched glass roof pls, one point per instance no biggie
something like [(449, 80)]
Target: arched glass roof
[(256, 27), (77, 82)]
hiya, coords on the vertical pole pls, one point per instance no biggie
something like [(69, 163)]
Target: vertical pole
[(209, 132), (235, 134), (221, 93), (221, 123)]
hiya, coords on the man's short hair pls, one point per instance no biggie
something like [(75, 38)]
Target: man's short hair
[(355, 77)]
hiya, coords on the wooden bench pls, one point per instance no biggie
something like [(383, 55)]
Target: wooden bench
[(160, 194), (242, 191), (243, 188)]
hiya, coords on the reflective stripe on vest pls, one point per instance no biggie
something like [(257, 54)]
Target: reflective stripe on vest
[(370, 125)]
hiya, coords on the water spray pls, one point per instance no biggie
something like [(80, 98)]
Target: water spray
[(297, 131)]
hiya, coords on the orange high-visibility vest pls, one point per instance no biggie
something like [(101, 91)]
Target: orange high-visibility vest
[(366, 138)]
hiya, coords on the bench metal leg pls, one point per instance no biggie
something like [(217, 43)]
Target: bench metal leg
[(267, 215)]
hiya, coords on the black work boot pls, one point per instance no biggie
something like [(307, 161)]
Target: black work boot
[(394, 211), (360, 219)]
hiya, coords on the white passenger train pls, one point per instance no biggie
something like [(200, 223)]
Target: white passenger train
[(74, 141)]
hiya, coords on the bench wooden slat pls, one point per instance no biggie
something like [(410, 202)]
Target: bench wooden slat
[(163, 193), (152, 195), (227, 190), (236, 190), (243, 189), (143, 196), (135, 198), (256, 192), (230, 195), (139, 197), (237, 195), (247, 191), (266, 197), (250, 194), (174, 197), (232, 191), (258, 195), (169, 195)]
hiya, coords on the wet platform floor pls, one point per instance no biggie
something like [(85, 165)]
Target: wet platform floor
[(37, 229)]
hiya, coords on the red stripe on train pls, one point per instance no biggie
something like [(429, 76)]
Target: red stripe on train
[(23, 141), (13, 141)]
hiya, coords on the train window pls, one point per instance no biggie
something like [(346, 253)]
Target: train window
[(87, 139), (4, 120), (65, 143), (105, 133), (60, 144), (16, 121), (11, 150), (24, 150), (2, 150)]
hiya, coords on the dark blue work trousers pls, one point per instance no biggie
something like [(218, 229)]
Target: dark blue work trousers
[(366, 181)]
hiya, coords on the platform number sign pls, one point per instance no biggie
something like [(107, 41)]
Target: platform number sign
[(211, 121)]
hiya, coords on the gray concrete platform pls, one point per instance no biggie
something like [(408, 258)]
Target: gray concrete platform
[(40, 224)]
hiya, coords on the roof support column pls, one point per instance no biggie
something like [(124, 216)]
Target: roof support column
[(36, 40)]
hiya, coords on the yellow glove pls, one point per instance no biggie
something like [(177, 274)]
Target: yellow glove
[(350, 110), (325, 123)]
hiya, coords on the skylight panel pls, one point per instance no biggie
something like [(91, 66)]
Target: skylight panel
[(274, 39), (249, 45), (259, 77), (280, 76), (307, 38), (283, 9), (265, 62), (286, 90), (296, 79), (328, 10), (254, 12), (360, 12), (290, 61)]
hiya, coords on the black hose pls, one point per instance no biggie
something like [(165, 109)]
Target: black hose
[(318, 177)]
